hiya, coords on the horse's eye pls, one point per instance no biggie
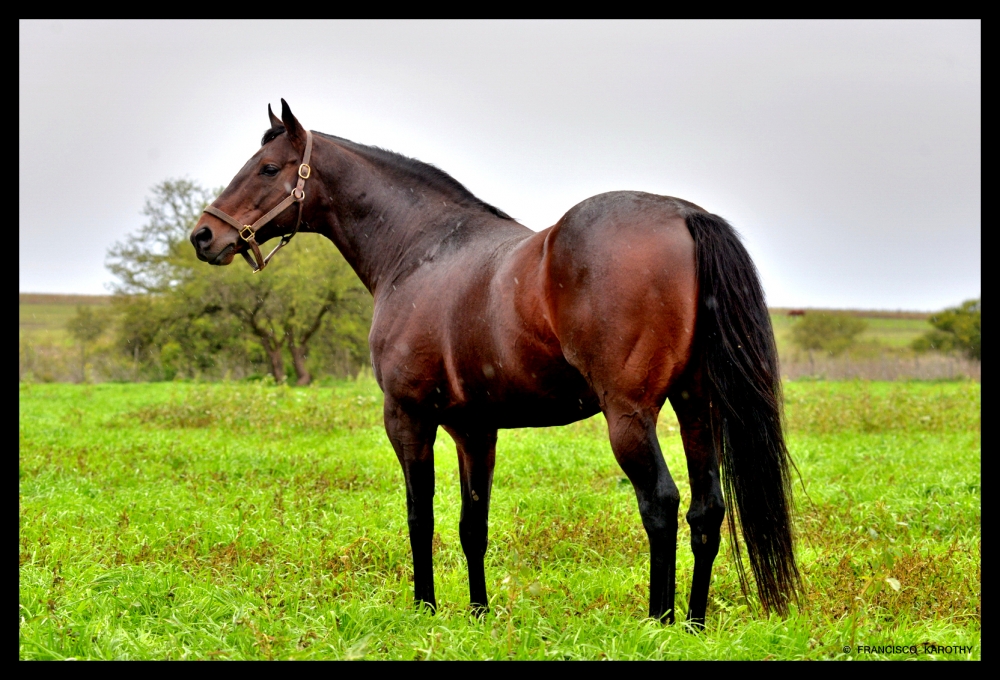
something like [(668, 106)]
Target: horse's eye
[(270, 170)]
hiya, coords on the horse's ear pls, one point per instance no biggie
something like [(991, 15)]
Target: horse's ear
[(275, 121), (296, 133)]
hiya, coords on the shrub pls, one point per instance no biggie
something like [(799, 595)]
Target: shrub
[(956, 329), (831, 333)]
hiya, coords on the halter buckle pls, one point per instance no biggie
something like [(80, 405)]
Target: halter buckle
[(246, 233), (304, 171)]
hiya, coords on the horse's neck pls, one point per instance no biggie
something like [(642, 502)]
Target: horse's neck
[(384, 224)]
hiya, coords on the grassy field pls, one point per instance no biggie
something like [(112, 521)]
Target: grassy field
[(45, 347), (244, 521)]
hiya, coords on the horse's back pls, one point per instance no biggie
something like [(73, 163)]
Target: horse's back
[(623, 285)]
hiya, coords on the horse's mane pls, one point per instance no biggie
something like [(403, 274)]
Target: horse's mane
[(422, 172)]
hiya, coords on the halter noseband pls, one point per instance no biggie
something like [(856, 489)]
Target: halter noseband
[(248, 232)]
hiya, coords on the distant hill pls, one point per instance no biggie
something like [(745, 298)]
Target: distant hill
[(863, 313), (50, 312), (61, 299)]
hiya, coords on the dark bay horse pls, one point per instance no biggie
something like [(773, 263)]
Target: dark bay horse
[(480, 323)]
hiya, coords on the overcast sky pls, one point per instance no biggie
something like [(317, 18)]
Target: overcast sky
[(848, 154)]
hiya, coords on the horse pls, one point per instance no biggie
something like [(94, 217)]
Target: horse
[(480, 324)]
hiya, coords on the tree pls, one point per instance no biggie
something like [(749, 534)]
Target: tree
[(824, 331), (308, 290), (181, 316), (158, 257), (955, 329), (86, 326), (167, 327)]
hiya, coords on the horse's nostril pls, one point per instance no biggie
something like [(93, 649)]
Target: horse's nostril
[(202, 237)]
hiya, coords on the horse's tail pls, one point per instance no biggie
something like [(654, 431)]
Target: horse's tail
[(741, 363)]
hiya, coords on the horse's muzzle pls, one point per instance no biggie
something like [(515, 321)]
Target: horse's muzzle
[(202, 240)]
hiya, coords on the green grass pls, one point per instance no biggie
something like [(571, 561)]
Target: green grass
[(243, 521)]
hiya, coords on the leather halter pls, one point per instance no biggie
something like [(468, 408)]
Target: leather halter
[(248, 232)]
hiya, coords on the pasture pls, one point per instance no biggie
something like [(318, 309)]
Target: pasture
[(247, 521)]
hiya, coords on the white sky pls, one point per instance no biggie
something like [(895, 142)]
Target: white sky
[(848, 154)]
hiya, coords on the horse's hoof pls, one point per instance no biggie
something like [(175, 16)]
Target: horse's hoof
[(479, 610)]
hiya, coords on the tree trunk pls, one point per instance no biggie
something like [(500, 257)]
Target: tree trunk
[(277, 361), (299, 361), (299, 351), (267, 341), (273, 350)]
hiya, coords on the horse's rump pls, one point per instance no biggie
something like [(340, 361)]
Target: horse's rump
[(623, 285)]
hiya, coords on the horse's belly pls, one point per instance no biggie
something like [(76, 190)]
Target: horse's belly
[(532, 411), (526, 400)]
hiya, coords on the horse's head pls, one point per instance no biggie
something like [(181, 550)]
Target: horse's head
[(272, 178)]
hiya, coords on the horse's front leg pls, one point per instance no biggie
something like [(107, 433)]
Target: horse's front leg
[(413, 439), (476, 457)]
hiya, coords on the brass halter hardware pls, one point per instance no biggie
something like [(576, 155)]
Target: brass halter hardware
[(248, 232)]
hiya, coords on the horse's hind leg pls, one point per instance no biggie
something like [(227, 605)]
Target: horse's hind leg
[(707, 505), (633, 440), (476, 457)]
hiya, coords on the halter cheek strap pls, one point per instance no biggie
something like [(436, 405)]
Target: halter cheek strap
[(248, 232)]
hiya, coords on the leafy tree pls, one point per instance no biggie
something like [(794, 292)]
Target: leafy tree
[(308, 290), (87, 326), (956, 329), (827, 332), (181, 316), (159, 256)]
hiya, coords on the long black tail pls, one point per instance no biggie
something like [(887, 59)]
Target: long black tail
[(741, 362)]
